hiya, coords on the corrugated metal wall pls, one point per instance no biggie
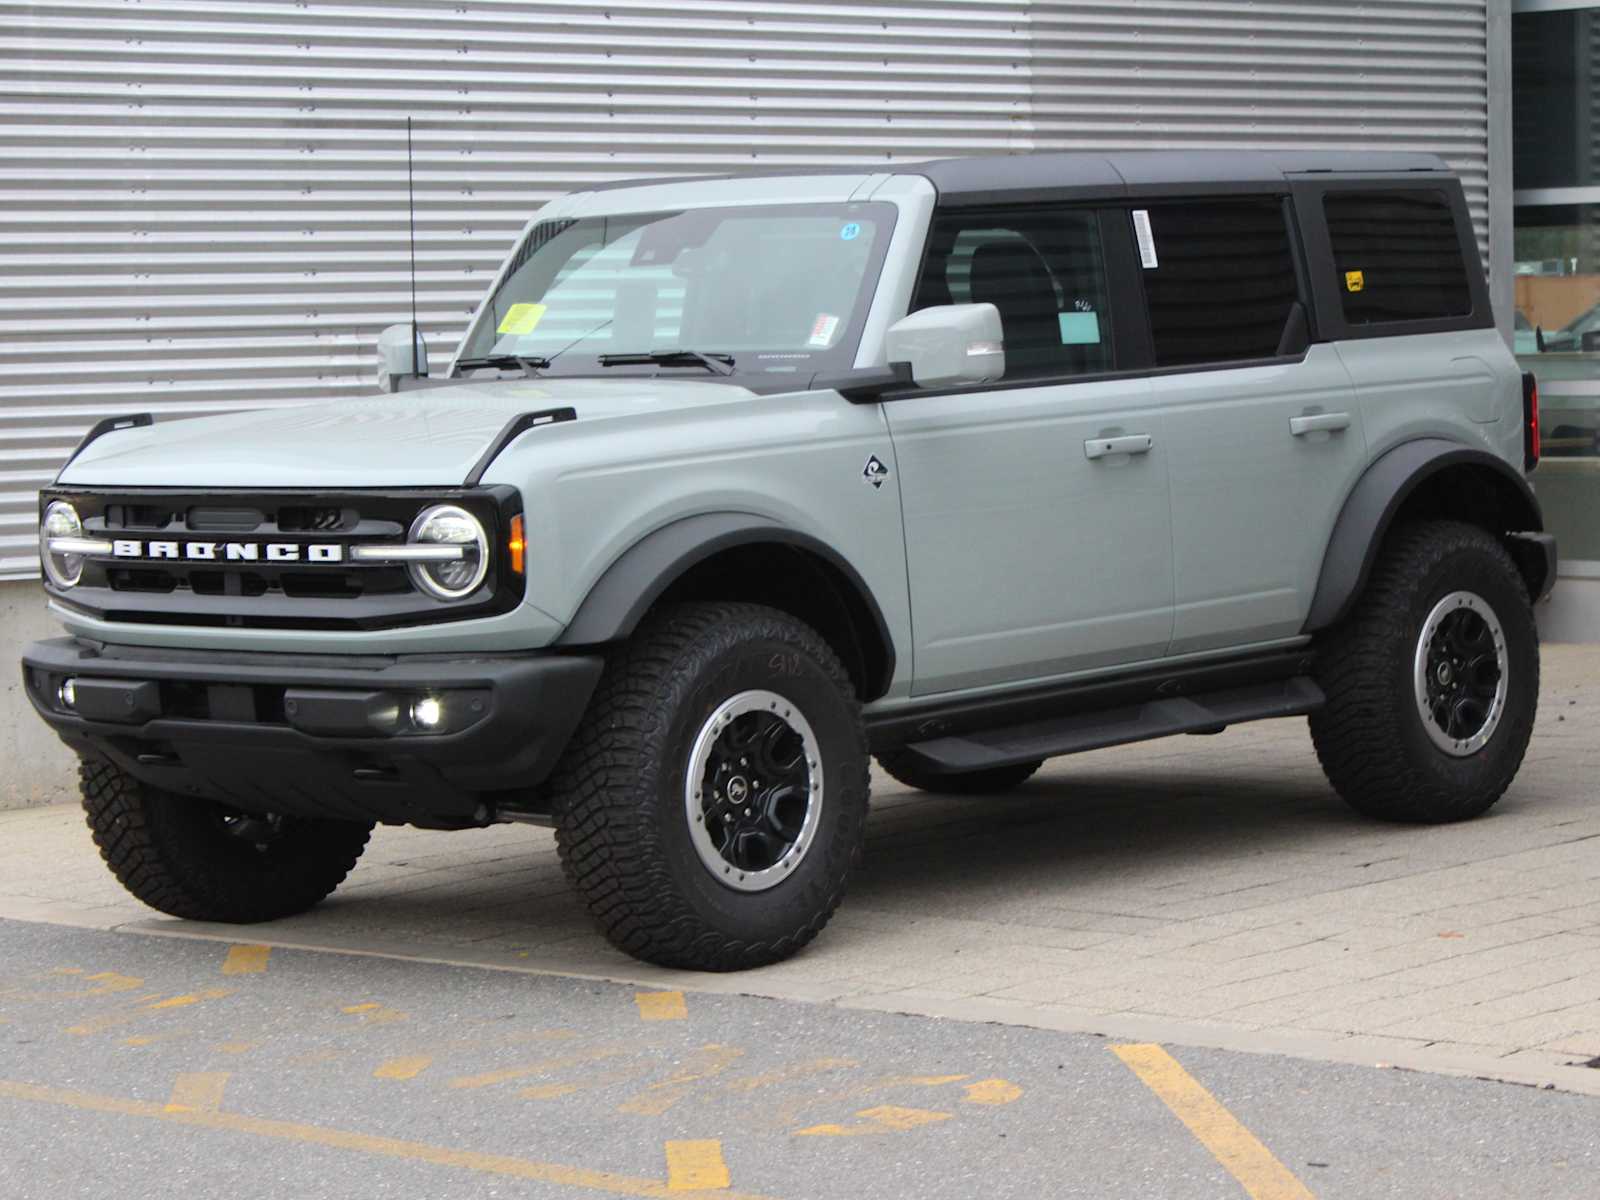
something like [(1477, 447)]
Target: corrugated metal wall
[(202, 202)]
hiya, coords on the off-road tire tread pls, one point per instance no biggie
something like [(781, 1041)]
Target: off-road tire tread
[(989, 781), (1357, 733), (604, 789), (118, 809)]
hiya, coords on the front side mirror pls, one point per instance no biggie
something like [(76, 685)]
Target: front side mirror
[(949, 345), (402, 354)]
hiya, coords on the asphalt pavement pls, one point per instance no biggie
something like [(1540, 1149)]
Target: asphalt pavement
[(138, 1066)]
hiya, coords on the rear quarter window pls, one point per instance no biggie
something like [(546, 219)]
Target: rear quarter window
[(1397, 256)]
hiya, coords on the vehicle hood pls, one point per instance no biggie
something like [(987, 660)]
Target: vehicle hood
[(425, 438)]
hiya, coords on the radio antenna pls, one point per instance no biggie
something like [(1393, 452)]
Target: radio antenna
[(419, 350)]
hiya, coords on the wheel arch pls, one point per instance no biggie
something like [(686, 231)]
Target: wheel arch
[(742, 556), (1426, 477)]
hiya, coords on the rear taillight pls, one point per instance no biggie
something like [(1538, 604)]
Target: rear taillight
[(1530, 421)]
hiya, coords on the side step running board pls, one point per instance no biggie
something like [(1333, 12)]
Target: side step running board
[(1205, 713)]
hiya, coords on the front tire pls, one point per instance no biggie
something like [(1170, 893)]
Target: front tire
[(1433, 682), (201, 861), (710, 808)]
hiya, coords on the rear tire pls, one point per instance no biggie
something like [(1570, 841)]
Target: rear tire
[(201, 861), (1433, 682), (992, 781), (683, 854)]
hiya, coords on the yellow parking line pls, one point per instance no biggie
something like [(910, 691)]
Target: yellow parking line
[(403, 1068), (362, 1143), (696, 1167), (246, 960), (200, 1091), (661, 1006), (1238, 1150)]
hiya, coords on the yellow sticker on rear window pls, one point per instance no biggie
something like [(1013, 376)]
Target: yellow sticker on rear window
[(521, 318), (1354, 281)]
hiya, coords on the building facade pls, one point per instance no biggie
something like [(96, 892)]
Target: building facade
[(203, 203)]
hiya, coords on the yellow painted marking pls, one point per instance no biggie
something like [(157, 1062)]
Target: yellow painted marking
[(403, 1068), (1238, 1150), (198, 1092), (659, 1097), (108, 982), (885, 1118), (111, 1020), (661, 1006), (361, 1143), (246, 960), (785, 1114), (696, 1167), (374, 1014), (139, 1041), (236, 1047), (992, 1091), (490, 1078), (803, 1070)]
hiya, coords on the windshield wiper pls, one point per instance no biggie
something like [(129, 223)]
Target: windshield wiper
[(719, 364), (531, 366)]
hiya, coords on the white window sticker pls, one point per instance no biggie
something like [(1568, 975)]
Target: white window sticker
[(1147, 240), (823, 330)]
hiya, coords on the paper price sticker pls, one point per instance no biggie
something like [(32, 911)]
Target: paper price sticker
[(823, 330), (521, 318)]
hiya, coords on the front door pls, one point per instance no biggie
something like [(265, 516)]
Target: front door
[(1037, 517)]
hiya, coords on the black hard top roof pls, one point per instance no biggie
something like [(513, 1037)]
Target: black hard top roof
[(979, 179)]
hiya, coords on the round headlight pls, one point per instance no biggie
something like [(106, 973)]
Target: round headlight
[(61, 520), (446, 525)]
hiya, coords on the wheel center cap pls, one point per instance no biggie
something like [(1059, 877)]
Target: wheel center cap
[(1443, 673), (738, 789)]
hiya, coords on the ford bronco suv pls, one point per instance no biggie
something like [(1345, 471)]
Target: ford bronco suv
[(736, 483)]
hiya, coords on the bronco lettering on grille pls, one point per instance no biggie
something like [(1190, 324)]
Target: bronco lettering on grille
[(272, 552)]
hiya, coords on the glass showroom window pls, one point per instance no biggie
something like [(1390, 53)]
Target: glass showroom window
[(1556, 86)]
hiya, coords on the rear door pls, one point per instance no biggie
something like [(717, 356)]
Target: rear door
[(1037, 520), (1265, 437)]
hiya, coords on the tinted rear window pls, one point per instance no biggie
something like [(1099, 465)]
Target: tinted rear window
[(1397, 256), (1224, 281)]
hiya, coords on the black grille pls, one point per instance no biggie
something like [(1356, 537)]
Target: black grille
[(283, 594)]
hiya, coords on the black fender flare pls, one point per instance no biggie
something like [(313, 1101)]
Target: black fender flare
[(1371, 506), (619, 599)]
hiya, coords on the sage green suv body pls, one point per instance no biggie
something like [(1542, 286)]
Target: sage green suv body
[(966, 464)]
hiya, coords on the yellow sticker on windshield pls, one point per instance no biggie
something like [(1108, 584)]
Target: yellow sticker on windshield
[(521, 318), (1354, 281)]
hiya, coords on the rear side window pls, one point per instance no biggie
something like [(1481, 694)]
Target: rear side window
[(1223, 282), (1397, 256), (1041, 268)]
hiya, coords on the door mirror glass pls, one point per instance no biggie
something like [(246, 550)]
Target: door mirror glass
[(949, 345), (402, 354)]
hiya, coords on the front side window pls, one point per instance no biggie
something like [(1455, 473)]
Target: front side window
[(782, 290), (1041, 268), (1218, 279), (1396, 256)]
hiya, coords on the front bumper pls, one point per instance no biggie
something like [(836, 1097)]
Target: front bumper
[(319, 735)]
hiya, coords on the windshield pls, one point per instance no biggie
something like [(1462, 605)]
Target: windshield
[(782, 290)]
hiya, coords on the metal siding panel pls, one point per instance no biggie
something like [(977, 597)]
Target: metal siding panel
[(202, 203)]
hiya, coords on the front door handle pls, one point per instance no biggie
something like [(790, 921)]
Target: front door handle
[(1133, 443), (1319, 423)]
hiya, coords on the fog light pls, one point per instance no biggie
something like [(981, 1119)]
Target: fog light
[(68, 693), (427, 713)]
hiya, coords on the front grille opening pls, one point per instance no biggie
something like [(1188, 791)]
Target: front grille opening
[(227, 583), (225, 520), (320, 585), (139, 516), (141, 579), (300, 518)]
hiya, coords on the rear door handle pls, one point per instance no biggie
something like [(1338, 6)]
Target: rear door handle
[(1319, 423), (1133, 443)]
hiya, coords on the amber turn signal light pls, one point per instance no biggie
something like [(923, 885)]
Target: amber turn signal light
[(517, 545)]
